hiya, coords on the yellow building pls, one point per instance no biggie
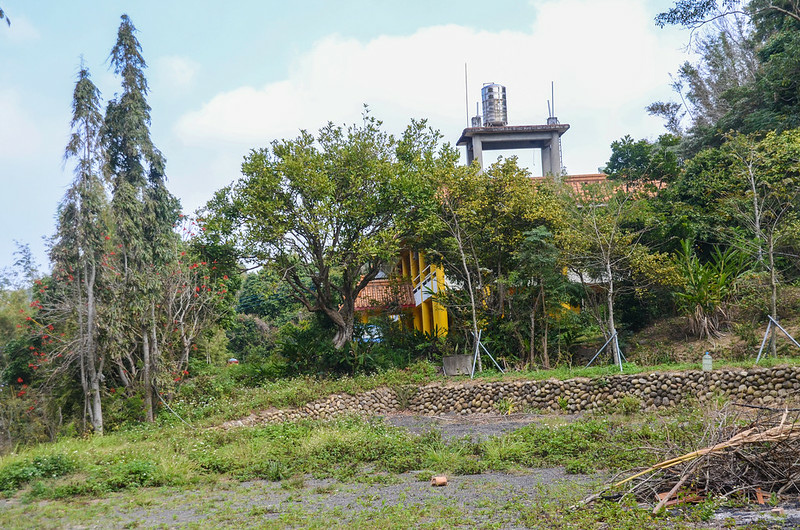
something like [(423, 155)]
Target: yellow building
[(409, 295)]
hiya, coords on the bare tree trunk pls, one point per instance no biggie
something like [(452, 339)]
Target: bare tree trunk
[(756, 211), (146, 376), (545, 337), (612, 329), (95, 368), (773, 301), (532, 354), (344, 329), (83, 345)]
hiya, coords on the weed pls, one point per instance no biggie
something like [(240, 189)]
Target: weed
[(504, 406), (630, 405), (295, 482), (14, 475), (404, 394)]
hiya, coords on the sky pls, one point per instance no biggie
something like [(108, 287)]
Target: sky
[(226, 78)]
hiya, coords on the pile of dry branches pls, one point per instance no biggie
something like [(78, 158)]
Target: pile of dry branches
[(751, 451)]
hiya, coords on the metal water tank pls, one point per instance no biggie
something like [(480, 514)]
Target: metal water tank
[(495, 111)]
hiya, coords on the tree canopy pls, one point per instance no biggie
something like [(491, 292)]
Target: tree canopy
[(328, 212)]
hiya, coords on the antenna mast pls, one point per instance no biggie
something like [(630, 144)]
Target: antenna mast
[(466, 94)]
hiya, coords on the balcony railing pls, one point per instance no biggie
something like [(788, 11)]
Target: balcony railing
[(424, 285)]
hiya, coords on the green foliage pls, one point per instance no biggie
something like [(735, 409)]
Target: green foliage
[(327, 212), (630, 405), (17, 474), (745, 79), (642, 161), (481, 221), (707, 288), (582, 446), (250, 339), (264, 295)]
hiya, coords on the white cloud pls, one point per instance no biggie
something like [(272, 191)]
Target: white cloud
[(176, 73), (19, 135), (606, 58)]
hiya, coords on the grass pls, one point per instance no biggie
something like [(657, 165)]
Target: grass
[(340, 449), (217, 396), (233, 506), (134, 464), (201, 477)]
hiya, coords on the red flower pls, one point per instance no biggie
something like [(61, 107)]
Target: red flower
[(19, 379), (20, 393), (186, 372), (225, 277)]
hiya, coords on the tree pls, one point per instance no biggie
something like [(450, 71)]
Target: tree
[(745, 79), (475, 232), (142, 208), (326, 213), (694, 14), (770, 171), (540, 281), (602, 245), (79, 243), (642, 161)]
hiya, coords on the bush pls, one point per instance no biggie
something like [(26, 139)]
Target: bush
[(133, 474), (16, 474), (250, 339), (630, 405)]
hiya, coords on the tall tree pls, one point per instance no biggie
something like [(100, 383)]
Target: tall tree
[(142, 208), (769, 170), (474, 233), (602, 245), (80, 243), (745, 78), (643, 161), (326, 213)]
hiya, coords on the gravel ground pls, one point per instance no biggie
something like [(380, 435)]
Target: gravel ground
[(488, 500), (478, 426), (263, 502)]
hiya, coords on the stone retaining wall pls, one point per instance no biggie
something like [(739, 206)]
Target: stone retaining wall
[(654, 390)]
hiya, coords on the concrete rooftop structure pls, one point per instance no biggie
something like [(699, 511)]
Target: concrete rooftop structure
[(510, 137)]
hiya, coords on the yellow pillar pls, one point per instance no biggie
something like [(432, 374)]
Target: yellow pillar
[(418, 318), (439, 312), (427, 316)]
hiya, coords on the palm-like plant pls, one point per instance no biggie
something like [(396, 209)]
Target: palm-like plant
[(707, 287)]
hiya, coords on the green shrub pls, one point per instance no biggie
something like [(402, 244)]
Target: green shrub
[(630, 405), (16, 474), (132, 474)]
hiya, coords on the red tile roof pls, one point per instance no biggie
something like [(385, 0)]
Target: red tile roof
[(579, 182), (383, 293)]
